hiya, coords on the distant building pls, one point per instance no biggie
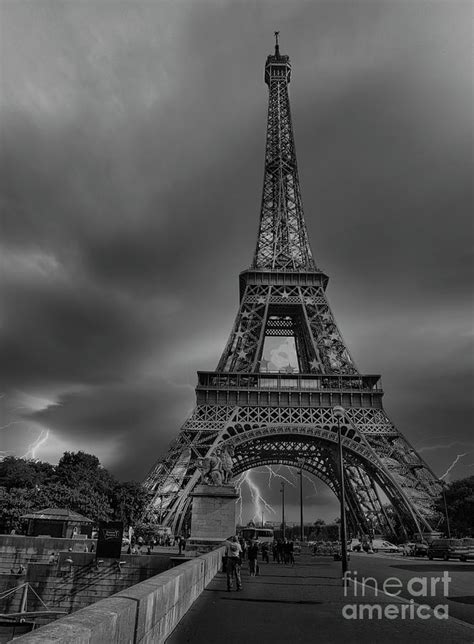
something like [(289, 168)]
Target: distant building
[(58, 522)]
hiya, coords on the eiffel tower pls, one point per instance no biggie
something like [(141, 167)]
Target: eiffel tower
[(285, 415)]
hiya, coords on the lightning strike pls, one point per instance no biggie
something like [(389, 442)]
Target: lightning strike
[(312, 481), (33, 448), (276, 474), (458, 458), (238, 485), (12, 422), (442, 446), (260, 505)]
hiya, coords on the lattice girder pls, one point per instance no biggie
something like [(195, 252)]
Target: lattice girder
[(273, 418)]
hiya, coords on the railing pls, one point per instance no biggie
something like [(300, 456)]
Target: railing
[(218, 380)]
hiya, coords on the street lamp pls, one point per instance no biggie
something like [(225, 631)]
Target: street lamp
[(339, 415), (282, 489), (301, 463)]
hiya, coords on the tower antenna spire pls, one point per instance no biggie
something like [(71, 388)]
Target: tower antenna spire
[(277, 46)]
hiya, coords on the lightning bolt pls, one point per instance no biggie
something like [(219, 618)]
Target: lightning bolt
[(276, 474), (441, 446), (12, 422), (458, 457), (238, 485), (259, 503), (312, 481), (33, 447)]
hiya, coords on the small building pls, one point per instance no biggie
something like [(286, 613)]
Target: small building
[(58, 522)]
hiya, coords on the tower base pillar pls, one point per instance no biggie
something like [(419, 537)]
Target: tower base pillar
[(213, 517)]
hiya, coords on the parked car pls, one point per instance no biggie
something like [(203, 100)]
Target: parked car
[(466, 550), (408, 548), (354, 545), (378, 545), (445, 549), (420, 550), (414, 549)]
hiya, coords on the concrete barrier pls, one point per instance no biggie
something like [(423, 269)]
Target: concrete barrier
[(143, 614)]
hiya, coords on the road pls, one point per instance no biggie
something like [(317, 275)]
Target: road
[(460, 587), (307, 603)]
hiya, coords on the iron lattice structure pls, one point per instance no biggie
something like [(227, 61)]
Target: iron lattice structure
[(287, 417)]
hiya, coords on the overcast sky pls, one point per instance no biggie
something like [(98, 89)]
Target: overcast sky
[(133, 141)]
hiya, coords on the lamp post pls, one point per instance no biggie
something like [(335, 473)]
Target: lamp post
[(282, 489), (339, 414), (301, 463)]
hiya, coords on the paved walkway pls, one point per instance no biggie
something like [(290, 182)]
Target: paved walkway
[(303, 604)]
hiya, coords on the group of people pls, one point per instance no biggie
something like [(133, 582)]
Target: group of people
[(237, 550), (138, 545), (283, 552)]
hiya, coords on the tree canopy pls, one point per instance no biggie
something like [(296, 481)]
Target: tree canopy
[(459, 497), (78, 482)]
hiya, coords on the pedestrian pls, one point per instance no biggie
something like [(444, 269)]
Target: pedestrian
[(252, 554), (52, 558), (92, 547), (265, 552), (291, 556), (233, 553), (279, 551), (274, 551), (243, 545)]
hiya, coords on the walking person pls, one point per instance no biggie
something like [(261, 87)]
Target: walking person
[(265, 552), (252, 554), (233, 553), (279, 551), (291, 550), (275, 551)]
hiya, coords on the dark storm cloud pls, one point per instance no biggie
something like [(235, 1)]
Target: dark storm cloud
[(69, 332), (138, 419), (133, 142)]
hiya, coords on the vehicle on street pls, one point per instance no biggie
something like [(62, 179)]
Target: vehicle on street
[(420, 550), (466, 550), (445, 549), (379, 545), (414, 549), (258, 534), (354, 545)]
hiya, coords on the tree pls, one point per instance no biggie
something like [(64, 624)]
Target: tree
[(78, 469), (460, 506), (130, 501), (23, 473), (78, 483)]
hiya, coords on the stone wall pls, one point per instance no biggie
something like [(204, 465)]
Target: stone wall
[(77, 580), (144, 614), (18, 549)]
